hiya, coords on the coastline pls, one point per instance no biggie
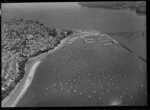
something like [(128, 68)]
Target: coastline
[(83, 73), (27, 83), (32, 68), (38, 59), (137, 7), (43, 55), (70, 41)]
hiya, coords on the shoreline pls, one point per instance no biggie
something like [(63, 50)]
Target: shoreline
[(38, 59), (41, 56), (136, 7), (27, 82), (32, 68)]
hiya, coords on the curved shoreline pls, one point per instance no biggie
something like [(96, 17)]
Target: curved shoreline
[(37, 59), (34, 66), (32, 69)]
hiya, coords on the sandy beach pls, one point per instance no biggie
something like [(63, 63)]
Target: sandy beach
[(37, 60), (81, 76), (101, 58), (27, 83), (32, 69)]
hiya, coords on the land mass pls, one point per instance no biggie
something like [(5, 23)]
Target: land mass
[(23, 40), (138, 6)]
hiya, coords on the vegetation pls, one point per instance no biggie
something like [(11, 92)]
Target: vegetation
[(22, 40)]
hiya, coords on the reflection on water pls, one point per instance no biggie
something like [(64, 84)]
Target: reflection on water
[(115, 102)]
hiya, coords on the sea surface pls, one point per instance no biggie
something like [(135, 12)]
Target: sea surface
[(111, 63), (95, 73), (74, 16)]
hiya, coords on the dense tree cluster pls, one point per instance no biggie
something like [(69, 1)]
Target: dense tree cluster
[(22, 40)]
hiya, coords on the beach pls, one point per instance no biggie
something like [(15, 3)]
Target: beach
[(102, 63), (27, 83), (105, 41), (31, 68), (88, 74)]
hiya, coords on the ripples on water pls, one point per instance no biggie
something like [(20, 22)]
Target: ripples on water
[(98, 73), (89, 74)]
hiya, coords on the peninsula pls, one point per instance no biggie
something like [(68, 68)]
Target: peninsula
[(24, 44), (23, 41)]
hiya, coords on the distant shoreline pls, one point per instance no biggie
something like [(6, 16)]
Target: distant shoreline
[(139, 7)]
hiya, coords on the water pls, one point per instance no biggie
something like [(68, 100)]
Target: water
[(137, 43), (74, 16), (110, 61), (87, 74)]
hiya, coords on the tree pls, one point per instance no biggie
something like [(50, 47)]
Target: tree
[(37, 22), (52, 32), (69, 32)]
